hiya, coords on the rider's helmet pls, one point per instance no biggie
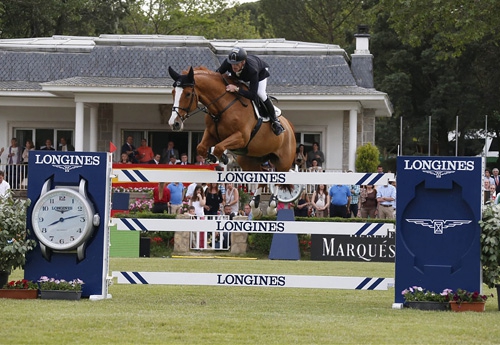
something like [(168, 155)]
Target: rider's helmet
[(237, 55)]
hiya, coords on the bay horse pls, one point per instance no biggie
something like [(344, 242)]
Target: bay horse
[(231, 123)]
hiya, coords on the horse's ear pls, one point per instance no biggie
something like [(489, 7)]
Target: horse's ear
[(173, 73), (190, 76)]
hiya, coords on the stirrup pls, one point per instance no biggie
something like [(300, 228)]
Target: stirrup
[(277, 128)]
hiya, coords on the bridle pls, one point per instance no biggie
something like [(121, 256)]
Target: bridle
[(205, 108)]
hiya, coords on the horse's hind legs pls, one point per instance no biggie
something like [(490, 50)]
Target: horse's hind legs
[(254, 203)]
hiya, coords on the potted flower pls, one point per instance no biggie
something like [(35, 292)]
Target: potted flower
[(51, 288), (20, 289), (490, 247), (463, 300), (417, 297), (14, 241)]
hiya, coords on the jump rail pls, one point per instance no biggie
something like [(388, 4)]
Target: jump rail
[(159, 175)]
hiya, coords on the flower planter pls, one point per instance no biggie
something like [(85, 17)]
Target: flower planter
[(18, 294), (467, 306), (428, 305), (61, 294)]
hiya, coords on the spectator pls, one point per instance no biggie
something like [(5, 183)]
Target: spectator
[(1, 152), (315, 153), (130, 149), (161, 198), (156, 159), (301, 158), (144, 152), (168, 152), (184, 159), (303, 205), (198, 201), (176, 191), (354, 207), (368, 201), (48, 146), (190, 191), (232, 198), (385, 196), (320, 202), (29, 147), (14, 159), (173, 160), (214, 199), (200, 160), (487, 177), (4, 185), (380, 169), (247, 211), (314, 166), (496, 180), (124, 159), (340, 196), (64, 146)]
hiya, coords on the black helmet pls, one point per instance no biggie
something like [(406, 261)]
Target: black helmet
[(236, 56)]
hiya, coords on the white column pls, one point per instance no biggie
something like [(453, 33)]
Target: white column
[(353, 138), (93, 129), (79, 126)]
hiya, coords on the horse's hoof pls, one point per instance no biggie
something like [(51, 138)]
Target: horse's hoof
[(254, 203), (211, 158), (256, 213), (271, 211), (224, 159)]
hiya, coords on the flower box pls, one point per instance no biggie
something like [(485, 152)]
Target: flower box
[(61, 294), (18, 294), (428, 305), (467, 306)]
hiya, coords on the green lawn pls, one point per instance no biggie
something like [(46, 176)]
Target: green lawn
[(157, 314)]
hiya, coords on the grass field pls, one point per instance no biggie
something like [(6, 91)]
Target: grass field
[(162, 314)]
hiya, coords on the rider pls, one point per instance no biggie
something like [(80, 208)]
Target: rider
[(251, 69)]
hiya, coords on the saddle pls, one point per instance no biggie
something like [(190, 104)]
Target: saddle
[(260, 110)]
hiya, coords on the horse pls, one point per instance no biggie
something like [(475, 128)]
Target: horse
[(231, 124)]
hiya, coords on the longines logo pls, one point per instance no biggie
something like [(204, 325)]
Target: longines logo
[(250, 177), (438, 225), (438, 168), (67, 162)]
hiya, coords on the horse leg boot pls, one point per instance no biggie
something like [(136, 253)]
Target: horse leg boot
[(276, 125)]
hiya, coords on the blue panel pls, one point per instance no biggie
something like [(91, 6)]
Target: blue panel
[(285, 246), (437, 230), (66, 169)]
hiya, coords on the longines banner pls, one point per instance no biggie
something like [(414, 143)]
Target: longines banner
[(437, 230), (353, 248)]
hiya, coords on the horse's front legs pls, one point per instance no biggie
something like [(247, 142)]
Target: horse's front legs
[(273, 202), (254, 203), (205, 144), (234, 141)]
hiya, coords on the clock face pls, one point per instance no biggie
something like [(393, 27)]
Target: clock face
[(62, 219), (284, 195)]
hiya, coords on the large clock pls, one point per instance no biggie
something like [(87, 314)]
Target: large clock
[(63, 219), (285, 195)]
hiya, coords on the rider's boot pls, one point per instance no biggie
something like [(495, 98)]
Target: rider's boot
[(276, 125)]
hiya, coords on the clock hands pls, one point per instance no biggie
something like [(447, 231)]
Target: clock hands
[(63, 219)]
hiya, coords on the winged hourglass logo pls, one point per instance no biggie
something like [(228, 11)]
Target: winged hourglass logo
[(438, 224)]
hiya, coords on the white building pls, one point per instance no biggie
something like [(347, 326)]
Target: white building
[(96, 90)]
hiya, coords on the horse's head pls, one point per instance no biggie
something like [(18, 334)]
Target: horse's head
[(185, 98)]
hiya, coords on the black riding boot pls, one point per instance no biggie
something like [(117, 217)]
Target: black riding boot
[(276, 125)]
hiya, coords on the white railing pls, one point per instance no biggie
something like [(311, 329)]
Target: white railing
[(210, 240), (16, 175)]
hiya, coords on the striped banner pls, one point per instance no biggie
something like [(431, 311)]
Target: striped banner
[(201, 176), (253, 280), (258, 227)]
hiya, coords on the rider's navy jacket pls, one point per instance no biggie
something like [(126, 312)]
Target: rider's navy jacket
[(253, 71)]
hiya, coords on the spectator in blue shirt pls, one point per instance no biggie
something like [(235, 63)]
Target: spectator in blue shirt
[(340, 196), (176, 191)]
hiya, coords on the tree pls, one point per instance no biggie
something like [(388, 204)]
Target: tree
[(367, 158), (448, 25), (331, 22)]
